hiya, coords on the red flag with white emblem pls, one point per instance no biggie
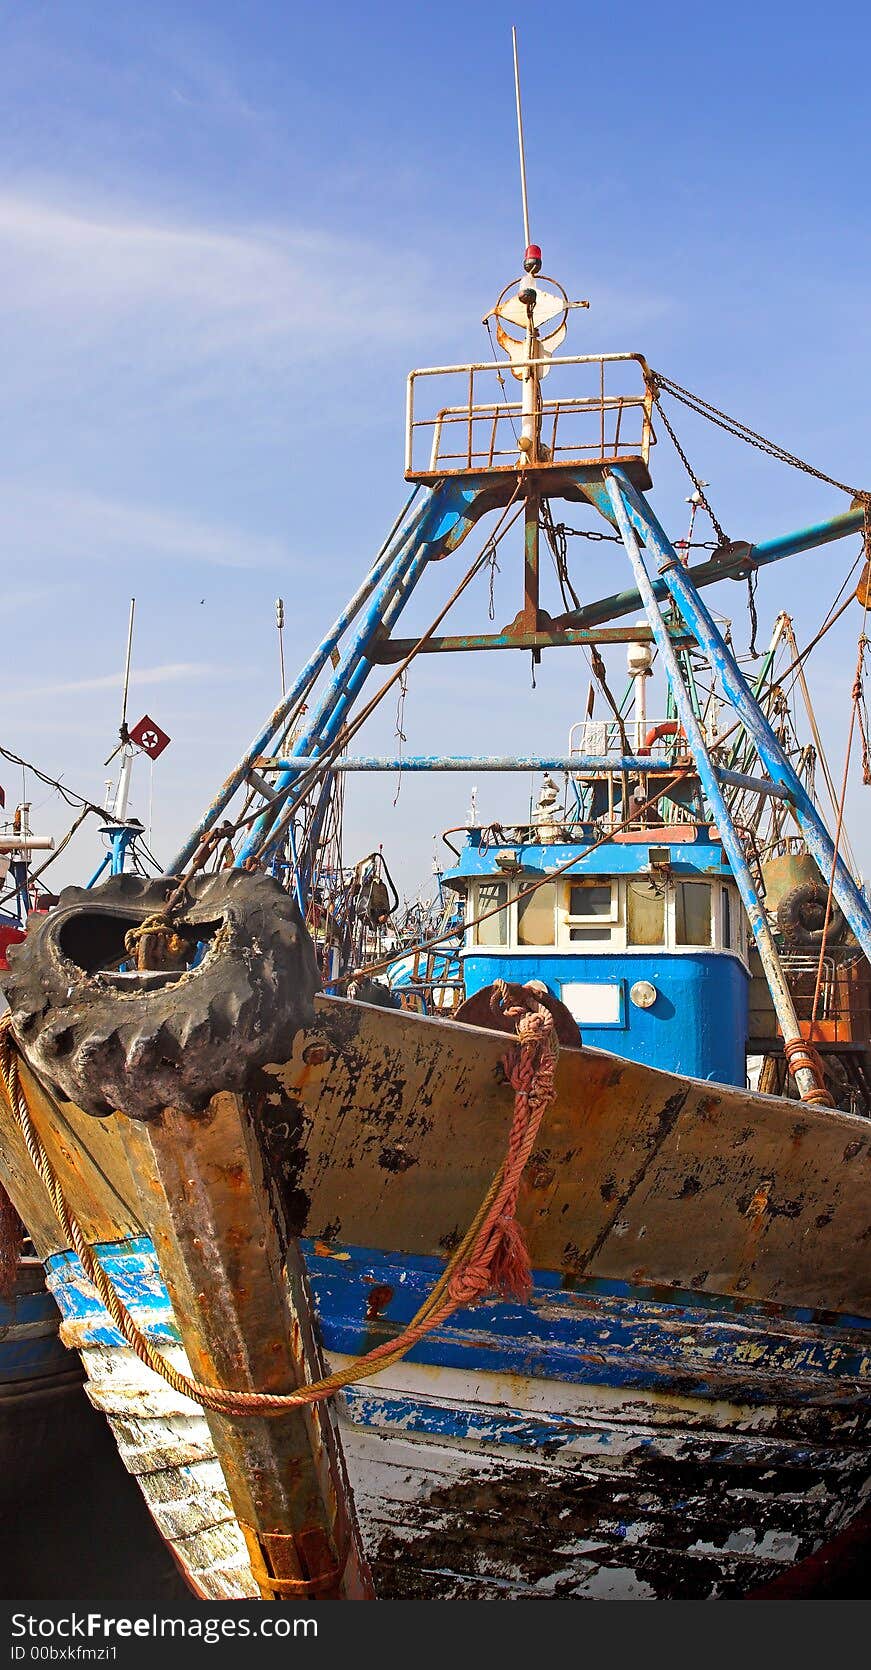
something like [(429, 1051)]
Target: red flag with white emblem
[(149, 737)]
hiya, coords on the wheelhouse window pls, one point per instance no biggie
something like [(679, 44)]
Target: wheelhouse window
[(492, 896), (645, 912), (591, 900), (536, 916), (692, 913), (725, 918), (591, 909)]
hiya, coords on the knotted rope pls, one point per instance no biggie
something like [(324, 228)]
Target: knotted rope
[(491, 1256), (155, 943)]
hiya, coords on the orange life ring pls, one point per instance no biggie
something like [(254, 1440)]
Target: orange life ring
[(666, 727)]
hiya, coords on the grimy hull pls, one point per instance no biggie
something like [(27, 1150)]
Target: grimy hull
[(681, 1409)]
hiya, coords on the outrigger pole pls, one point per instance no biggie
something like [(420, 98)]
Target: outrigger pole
[(736, 562), (808, 1082), (634, 511)]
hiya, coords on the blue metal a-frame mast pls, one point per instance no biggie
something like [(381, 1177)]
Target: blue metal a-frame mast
[(473, 451)]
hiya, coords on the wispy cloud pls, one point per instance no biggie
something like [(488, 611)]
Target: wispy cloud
[(27, 596), (257, 287), (41, 523), (172, 673)]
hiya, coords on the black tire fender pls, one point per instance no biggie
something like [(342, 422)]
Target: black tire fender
[(142, 1042), (802, 913)]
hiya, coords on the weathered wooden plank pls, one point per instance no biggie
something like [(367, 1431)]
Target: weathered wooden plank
[(436, 1513), (614, 1334), (89, 1159), (241, 1303)]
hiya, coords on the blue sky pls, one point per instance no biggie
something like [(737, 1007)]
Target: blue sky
[(226, 233)]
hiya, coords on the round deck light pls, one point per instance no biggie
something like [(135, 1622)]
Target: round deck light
[(643, 994)]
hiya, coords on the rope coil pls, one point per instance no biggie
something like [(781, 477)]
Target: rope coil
[(800, 1053)]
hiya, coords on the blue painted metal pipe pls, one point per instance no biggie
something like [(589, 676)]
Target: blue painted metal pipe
[(333, 700), (395, 540), (297, 887), (575, 763), (707, 573), (313, 842), (807, 539), (121, 838), (450, 512), (701, 623), (783, 1005)]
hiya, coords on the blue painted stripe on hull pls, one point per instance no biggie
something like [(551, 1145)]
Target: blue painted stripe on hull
[(33, 1359), (400, 1414), (27, 1307), (36, 1352), (134, 1270), (552, 1281), (617, 1340), (600, 1333), (137, 1254)]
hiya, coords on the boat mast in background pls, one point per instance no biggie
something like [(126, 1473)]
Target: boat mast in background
[(121, 831)]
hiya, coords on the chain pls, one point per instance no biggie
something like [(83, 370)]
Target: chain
[(494, 570), (557, 539), (859, 702), (752, 582), (741, 432), (862, 712), (655, 382), (399, 732), (587, 533)]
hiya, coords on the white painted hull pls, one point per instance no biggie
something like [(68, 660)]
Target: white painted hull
[(628, 1496)]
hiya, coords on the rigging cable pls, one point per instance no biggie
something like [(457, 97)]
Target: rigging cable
[(856, 712)]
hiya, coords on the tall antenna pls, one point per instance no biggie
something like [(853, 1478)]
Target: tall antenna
[(123, 731), (526, 238)]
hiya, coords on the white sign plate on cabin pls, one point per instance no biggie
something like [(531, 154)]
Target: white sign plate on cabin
[(593, 1003)]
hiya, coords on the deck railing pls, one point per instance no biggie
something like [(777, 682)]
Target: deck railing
[(605, 419), (843, 1005), (605, 737)]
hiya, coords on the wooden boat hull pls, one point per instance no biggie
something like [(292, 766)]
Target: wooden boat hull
[(598, 1443), (604, 1442), (683, 1407)]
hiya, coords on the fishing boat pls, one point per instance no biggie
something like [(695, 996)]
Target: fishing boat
[(38, 1373), (516, 1289)]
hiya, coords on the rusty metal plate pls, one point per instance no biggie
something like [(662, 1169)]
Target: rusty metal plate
[(385, 1128)]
